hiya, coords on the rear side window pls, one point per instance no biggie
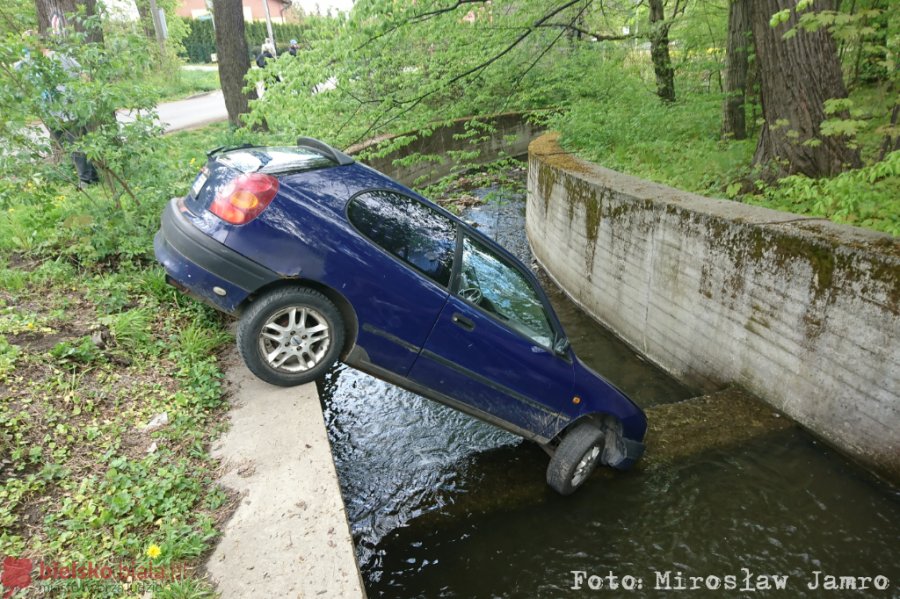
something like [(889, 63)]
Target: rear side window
[(416, 234)]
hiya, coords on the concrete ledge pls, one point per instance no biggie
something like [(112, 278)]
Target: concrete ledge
[(289, 536), (802, 312), (418, 158)]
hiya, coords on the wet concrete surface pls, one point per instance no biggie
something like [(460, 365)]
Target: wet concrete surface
[(288, 536)]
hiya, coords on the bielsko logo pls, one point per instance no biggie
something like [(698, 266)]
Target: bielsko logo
[(16, 575)]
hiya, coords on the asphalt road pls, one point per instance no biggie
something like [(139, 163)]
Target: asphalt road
[(189, 113)]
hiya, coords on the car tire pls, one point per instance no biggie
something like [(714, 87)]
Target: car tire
[(290, 336), (576, 457)]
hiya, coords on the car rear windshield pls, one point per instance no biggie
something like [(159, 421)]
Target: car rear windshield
[(273, 160)]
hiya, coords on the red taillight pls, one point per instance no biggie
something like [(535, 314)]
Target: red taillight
[(244, 198)]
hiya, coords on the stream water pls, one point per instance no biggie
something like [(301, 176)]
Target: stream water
[(442, 505)]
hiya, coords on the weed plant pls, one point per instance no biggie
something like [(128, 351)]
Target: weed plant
[(94, 345), (625, 128)]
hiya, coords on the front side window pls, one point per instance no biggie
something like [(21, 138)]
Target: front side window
[(408, 229), (497, 287)]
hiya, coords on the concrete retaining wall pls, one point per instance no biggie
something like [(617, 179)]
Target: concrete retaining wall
[(799, 311), (431, 156)]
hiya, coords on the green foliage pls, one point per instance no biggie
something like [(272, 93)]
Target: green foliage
[(16, 16), (197, 340), (866, 197), (867, 34), (8, 355), (625, 129), (75, 400), (81, 350), (390, 68), (77, 89), (185, 83), (200, 39), (131, 329)]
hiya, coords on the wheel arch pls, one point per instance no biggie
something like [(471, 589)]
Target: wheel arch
[(619, 452), (348, 314), (601, 420)]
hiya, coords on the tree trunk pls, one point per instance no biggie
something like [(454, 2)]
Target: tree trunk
[(891, 142), (95, 34), (734, 124), (54, 16), (233, 57), (796, 77), (659, 52)]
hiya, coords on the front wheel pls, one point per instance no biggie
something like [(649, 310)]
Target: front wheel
[(576, 458), (290, 336)]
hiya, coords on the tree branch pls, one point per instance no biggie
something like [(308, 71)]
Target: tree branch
[(600, 37), (410, 103), (433, 13), (564, 27), (418, 19)]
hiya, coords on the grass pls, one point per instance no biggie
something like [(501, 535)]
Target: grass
[(186, 83), (94, 345), (629, 130)]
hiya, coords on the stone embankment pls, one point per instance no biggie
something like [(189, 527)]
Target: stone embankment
[(801, 312)]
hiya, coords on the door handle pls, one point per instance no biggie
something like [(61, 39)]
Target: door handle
[(463, 322)]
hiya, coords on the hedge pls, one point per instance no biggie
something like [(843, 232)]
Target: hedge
[(200, 42)]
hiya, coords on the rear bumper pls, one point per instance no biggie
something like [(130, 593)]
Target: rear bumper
[(203, 267)]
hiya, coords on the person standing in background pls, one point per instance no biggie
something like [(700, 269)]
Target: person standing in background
[(266, 52), (64, 127)]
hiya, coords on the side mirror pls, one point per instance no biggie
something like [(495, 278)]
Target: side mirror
[(561, 347)]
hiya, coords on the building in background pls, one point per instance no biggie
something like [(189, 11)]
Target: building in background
[(281, 10), (253, 10)]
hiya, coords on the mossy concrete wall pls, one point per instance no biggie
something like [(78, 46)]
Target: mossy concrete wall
[(420, 158), (800, 311)]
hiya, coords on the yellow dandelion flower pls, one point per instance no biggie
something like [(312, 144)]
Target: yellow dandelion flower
[(153, 551)]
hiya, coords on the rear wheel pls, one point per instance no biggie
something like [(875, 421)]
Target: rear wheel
[(575, 459), (290, 336)]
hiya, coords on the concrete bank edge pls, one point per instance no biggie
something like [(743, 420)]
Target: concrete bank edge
[(289, 535), (800, 311)]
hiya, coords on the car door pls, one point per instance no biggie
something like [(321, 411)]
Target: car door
[(402, 281), (492, 346)]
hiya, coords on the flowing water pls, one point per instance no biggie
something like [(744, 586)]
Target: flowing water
[(442, 505)]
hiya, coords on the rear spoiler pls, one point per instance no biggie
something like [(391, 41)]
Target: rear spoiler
[(323, 148)]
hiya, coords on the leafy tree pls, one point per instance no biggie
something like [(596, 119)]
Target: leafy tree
[(659, 49), (177, 30), (390, 67), (799, 70), (734, 124), (54, 17), (38, 88)]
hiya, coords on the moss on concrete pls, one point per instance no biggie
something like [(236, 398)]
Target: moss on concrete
[(579, 191), (546, 181), (828, 268)]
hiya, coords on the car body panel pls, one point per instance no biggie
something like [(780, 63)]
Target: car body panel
[(406, 331), (485, 364)]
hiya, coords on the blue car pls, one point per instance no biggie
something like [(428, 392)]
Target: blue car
[(325, 259)]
